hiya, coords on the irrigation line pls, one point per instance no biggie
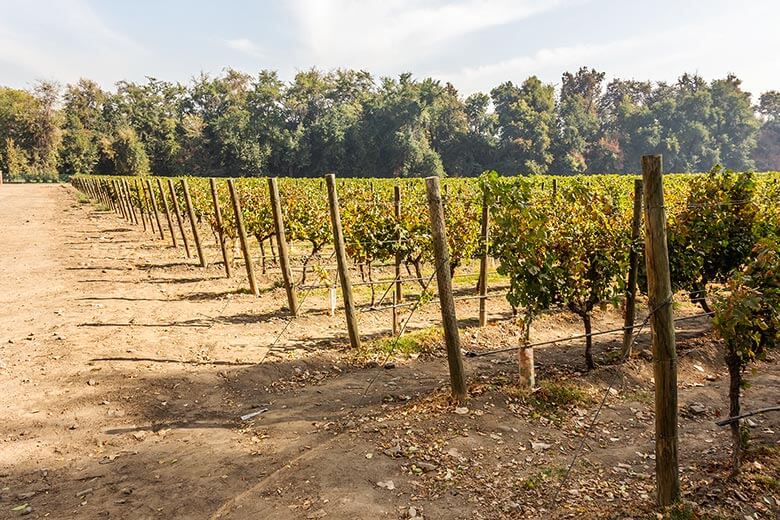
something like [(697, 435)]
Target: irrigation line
[(473, 354), (612, 382), (398, 337)]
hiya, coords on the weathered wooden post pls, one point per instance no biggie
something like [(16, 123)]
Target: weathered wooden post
[(167, 212), (140, 203), (483, 260), (444, 282), (177, 210), (153, 200), (220, 232), (633, 269), (399, 296), (250, 270), (281, 242), (129, 197), (341, 261), (148, 201), (193, 222), (664, 352)]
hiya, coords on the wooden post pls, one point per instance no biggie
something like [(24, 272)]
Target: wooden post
[(153, 199), (193, 222), (177, 210), (167, 212), (399, 296), (148, 201), (140, 203), (119, 199), (341, 260), (120, 188), (444, 282), (555, 188), (483, 261), (129, 196), (250, 270), (220, 232), (664, 353), (281, 241), (633, 269), (332, 298), (396, 325)]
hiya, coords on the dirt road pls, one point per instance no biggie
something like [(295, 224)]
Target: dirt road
[(125, 368)]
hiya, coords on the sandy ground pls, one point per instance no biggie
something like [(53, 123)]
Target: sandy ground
[(125, 368)]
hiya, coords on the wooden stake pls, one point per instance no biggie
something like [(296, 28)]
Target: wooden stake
[(140, 203), (167, 212), (153, 199), (399, 295), (129, 196), (332, 295), (177, 210), (525, 360), (148, 201), (193, 222), (341, 260), (664, 353), (483, 261), (220, 232), (281, 242), (250, 270), (119, 199), (633, 269), (444, 281), (396, 325)]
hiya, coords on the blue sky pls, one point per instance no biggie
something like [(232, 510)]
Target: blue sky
[(475, 44)]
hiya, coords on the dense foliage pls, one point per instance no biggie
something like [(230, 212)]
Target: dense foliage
[(562, 246), (348, 122)]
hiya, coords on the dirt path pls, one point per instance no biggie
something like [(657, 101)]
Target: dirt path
[(124, 369)]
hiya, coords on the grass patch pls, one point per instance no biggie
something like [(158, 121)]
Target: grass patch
[(540, 478), (422, 341), (82, 199)]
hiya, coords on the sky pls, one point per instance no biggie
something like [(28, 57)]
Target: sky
[(474, 44)]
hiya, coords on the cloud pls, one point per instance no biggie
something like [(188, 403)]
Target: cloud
[(364, 34), (63, 41), (657, 55), (244, 45)]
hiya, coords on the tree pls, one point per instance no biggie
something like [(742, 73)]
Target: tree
[(128, 153), (526, 116), (83, 127), (767, 151)]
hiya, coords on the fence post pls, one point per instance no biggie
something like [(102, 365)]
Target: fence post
[(119, 200), (444, 282), (148, 201), (399, 296), (281, 241), (140, 203), (664, 353), (167, 212), (250, 270), (483, 260), (633, 269), (153, 199), (129, 196), (220, 231), (341, 259), (177, 210), (193, 222)]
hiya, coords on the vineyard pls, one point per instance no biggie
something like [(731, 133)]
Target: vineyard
[(549, 243), (400, 348)]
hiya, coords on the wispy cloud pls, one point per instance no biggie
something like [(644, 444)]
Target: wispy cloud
[(363, 34), (657, 55), (244, 45), (64, 40)]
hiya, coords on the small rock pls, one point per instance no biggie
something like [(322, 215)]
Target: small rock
[(27, 510), (540, 446), (426, 466), (389, 485), (389, 365), (461, 410), (697, 408), (91, 382), (83, 492)]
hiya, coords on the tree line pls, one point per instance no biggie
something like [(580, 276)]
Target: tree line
[(348, 122)]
